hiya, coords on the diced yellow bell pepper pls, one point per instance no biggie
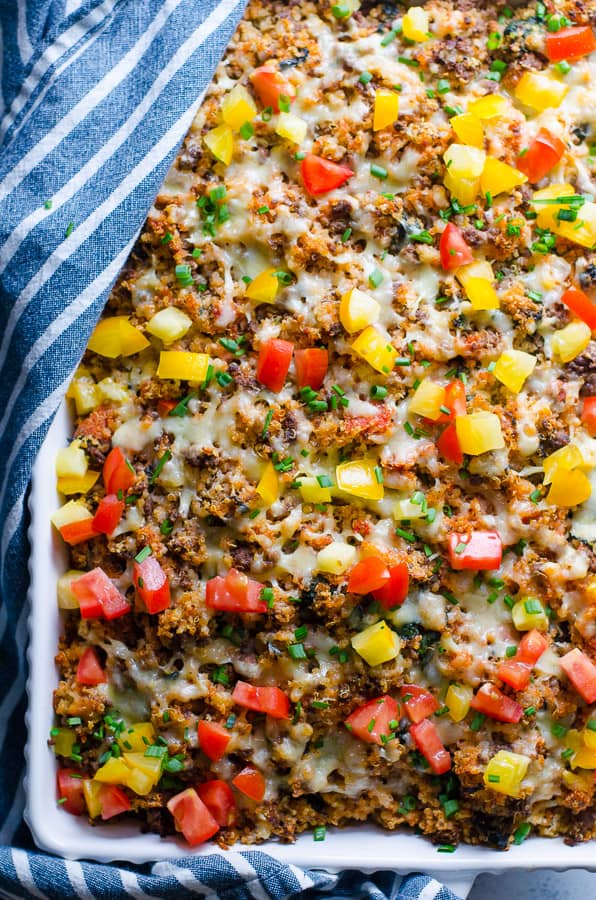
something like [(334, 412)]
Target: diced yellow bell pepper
[(584, 758), (359, 478), (169, 324), (405, 509), (137, 737), (86, 396), (75, 485), (238, 107), (220, 142), (513, 367), (539, 90), (357, 310), (546, 212), (574, 739), (336, 558), (113, 771), (115, 336), (71, 461), (569, 488), (415, 24), (464, 168), (529, 613), (577, 781), (498, 178), (112, 390), (268, 486), (589, 737), (477, 281), (312, 492), (375, 348), (505, 772), (570, 341), (139, 782), (583, 230), (489, 107), (457, 701), (73, 511), (468, 129), (291, 127), (566, 458), (149, 765), (428, 400), (66, 598), (386, 109), (182, 365), (479, 433), (263, 288), (91, 793), (64, 741), (377, 644)]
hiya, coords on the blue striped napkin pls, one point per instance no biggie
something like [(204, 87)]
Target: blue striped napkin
[(95, 98)]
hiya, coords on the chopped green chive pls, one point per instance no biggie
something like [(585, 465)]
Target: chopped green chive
[(143, 554)]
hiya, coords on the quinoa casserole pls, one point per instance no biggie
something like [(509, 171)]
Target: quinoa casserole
[(330, 495)]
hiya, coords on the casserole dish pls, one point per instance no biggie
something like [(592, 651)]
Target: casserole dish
[(366, 847)]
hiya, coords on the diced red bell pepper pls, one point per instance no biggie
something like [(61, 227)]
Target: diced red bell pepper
[(70, 790), (165, 407), (453, 248), (108, 514), (589, 415), (542, 155), (311, 367), (371, 722), (455, 401), (77, 532), (192, 817), (448, 445), (218, 797), (395, 591), (418, 702), (581, 305), (581, 672), (516, 671), (98, 596), (251, 783), (322, 175), (274, 361), (235, 592), (118, 473), (570, 43), (89, 669), (370, 574), (479, 550), (427, 740), (269, 700), (112, 801), (213, 739), (270, 85), (492, 702), (151, 584)]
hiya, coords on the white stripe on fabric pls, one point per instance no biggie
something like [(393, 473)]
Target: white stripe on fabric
[(430, 891), (74, 870), (244, 868), (50, 55), (15, 814), (2, 103), (80, 234), (302, 877), (130, 883), (20, 861), (23, 41), (76, 114), (185, 878), (17, 688), (71, 6)]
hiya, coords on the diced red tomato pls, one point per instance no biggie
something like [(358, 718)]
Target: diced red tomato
[(395, 591), (516, 671), (448, 445), (542, 155), (77, 532), (151, 584), (108, 514), (273, 363), (479, 550), (112, 801), (311, 367), (269, 700), (250, 782), (581, 305), (235, 592), (581, 672), (270, 85), (70, 790), (418, 703), (427, 740), (218, 797), (118, 474), (192, 817), (89, 670), (370, 574), (165, 407), (570, 43), (589, 415), (492, 702), (95, 591), (453, 248), (213, 739), (455, 401), (322, 175), (373, 719)]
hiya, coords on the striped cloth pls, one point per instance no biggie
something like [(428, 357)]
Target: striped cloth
[(95, 98)]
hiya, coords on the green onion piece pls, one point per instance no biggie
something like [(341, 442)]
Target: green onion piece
[(378, 392), (143, 554), (521, 833), (446, 848), (319, 833), (476, 723), (375, 278), (346, 235), (422, 237), (297, 651), (365, 78), (167, 454), (301, 632), (378, 171), (268, 419), (246, 131), (510, 651)]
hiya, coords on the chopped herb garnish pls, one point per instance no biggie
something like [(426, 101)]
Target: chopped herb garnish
[(422, 237), (319, 704), (378, 171), (297, 651), (375, 278), (166, 527), (319, 833), (446, 848), (443, 86), (521, 833), (365, 78), (69, 229), (167, 454), (476, 723), (143, 554)]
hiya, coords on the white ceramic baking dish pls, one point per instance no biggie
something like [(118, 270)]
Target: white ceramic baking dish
[(364, 847)]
